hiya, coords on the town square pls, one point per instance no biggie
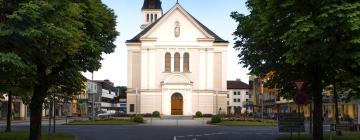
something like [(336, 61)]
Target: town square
[(179, 70)]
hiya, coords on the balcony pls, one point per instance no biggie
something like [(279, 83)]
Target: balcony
[(248, 103), (104, 104)]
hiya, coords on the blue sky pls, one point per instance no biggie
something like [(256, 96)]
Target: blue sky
[(215, 14)]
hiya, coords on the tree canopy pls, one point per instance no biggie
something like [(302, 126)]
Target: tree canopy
[(315, 41), (57, 40)]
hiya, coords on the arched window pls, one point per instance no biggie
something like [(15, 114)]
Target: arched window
[(155, 16), (177, 62), (167, 62), (147, 17), (186, 62)]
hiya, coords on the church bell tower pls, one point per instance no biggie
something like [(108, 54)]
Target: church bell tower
[(151, 11)]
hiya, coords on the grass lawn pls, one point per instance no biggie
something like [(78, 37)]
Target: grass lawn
[(245, 123), (345, 136), (104, 122), (25, 136)]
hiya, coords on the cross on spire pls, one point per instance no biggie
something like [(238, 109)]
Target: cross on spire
[(177, 1)]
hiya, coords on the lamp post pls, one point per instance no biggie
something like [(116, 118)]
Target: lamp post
[(1, 109), (93, 96)]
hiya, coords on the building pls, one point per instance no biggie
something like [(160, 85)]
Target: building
[(122, 103), (176, 65), (238, 97), (272, 103), (20, 111), (103, 94), (264, 98)]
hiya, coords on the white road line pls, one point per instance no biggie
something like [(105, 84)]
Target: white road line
[(199, 135)]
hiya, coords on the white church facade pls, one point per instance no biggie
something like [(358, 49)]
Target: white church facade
[(176, 65)]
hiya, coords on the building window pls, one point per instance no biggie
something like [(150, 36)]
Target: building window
[(234, 93), (227, 95), (227, 102), (186, 62), (132, 107), (247, 93), (152, 17), (234, 100), (177, 62), (167, 62), (147, 17), (155, 16), (238, 100), (239, 93), (247, 100)]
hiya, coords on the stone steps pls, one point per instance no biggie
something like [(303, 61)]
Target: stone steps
[(176, 117)]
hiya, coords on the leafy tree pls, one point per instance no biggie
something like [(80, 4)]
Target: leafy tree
[(122, 91), (58, 39), (13, 81), (301, 40)]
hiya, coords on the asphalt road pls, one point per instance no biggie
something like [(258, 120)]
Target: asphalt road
[(141, 132)]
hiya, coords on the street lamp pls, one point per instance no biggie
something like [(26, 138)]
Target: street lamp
[(0, 108), (93, 96)]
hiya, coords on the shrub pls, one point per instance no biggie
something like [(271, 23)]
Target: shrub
[(139, 119), (215, 119), (147, 115), (156, 114), (207, 115), (198, 114)]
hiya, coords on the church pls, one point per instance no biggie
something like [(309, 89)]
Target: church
[(176, 65)]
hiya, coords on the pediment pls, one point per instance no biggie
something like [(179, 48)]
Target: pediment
[(164, 29), (177, 26)]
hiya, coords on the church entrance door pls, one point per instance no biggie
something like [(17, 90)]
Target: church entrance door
[(177, 104)]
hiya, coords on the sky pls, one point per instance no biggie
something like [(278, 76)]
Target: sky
[(214, 14)]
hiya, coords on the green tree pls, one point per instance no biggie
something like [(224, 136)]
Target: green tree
[(59, 39), (13, 82), (121, 91), (301, 40)]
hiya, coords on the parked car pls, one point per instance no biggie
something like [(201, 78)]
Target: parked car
[(106, 114)]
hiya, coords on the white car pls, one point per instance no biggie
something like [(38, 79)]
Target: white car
[(106, 114)]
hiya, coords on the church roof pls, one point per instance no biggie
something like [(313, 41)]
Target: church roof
[(237, 85), (143, 32), (151, 4)]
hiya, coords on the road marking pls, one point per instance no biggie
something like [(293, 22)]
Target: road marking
[(199, 135)]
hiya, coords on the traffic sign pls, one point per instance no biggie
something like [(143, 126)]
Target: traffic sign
[(301, 98)]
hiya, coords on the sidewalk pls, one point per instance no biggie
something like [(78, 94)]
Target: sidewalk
[(44, 122), (179, 122)]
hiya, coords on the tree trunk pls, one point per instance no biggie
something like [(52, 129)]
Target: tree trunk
[(336, 97), (54, 114), (9, 112), (36, 105), (318, 118)]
